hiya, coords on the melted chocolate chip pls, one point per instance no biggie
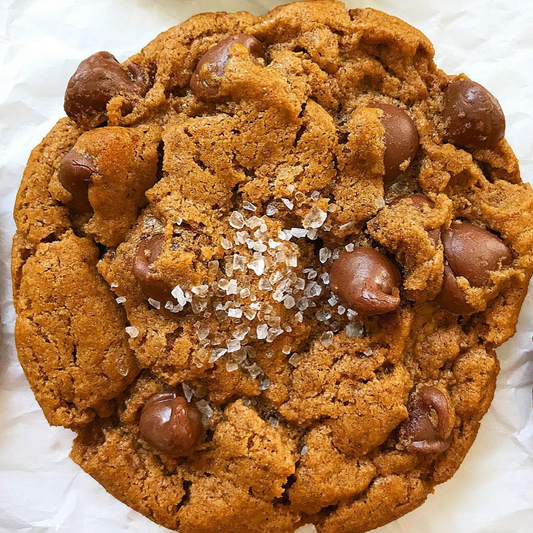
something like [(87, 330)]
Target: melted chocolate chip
[(474, 253), (170, 424), (419, 432), (148, 251), (205, 80), (75, 174), (473, 117), (401, 138), (451, 297), (96, 81), (366, 281)]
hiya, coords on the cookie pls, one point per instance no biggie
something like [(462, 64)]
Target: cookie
[(263, 266)]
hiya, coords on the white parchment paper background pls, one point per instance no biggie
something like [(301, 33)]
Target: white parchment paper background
[(41, 43)]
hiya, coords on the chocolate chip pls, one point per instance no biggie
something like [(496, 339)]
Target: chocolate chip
[(148, 251), (401, 138), (366, 281), (474, 253), (205, 80), (420, 201), (419, 433), (170, 424), (473, 117), (451, 297), (75, 173), (96, 81)]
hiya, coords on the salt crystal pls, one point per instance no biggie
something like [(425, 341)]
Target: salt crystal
[(154, 303), (273, 333), (254, 222), (315, 196), (278, 295), (350, 247), (313, 289), (332, 208), (235, 313), (241, 331), (286, 349), (354, 329), (212, 267), (294, 359), (291, 259), (380, 202), (290, 187), (324, 254), (271, 210), (231, 366), (311, 273), (346, 226), (299, 233), (203, 331), (178, 293), (315, 218), (326, 338), (132, 331), (245, 292), (236, 220), (187, 391), (341, 310), (299, 285), (178, 221), (312, 234), (249, 206), (200, 290), (273, 244), (288, 203), (304, 450), (368, 352), (273, 422), (258, 266), (289, 302), (241, 237), (333, 300), (217, 353), (233, 345), (254, 370), (322, 316), (114, 285), (302, 304), (265, 383), (260, 246), (299, 197), (231, 287), (351, 314), (120, 300), (205, 409), (226, 244), (249, 313), (325, 278), (269, 354), (299, 316), (262, 331), (264, 285)]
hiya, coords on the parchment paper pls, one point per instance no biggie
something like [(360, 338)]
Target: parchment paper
[(41, 43)]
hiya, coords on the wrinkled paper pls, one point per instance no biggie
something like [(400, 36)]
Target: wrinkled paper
[(41, 43)]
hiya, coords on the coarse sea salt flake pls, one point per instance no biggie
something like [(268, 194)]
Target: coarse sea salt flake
[(258, 266), (315, 218), (288, 203), (178, 293), (233, 345), (354, 329), (249, 206), (120, 300), (236, 220), (235, 313), (154, 303), (187, 391), (132, 331), (326, 338)]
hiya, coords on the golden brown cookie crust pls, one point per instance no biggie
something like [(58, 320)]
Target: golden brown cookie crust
[(301, 419)]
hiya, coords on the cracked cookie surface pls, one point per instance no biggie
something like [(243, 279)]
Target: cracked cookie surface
[(263, 267)]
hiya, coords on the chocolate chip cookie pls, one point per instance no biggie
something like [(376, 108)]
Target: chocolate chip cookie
[(263, 266)]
